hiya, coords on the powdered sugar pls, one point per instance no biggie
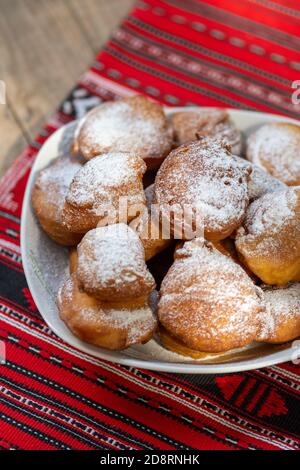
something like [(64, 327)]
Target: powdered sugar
[(205, 175), (133, 124), (271, 212), (55, 179), (216, 123), (276, 147), (282, 304), (137, 322), (100, 178), (111, 262), (207, 297), (261, 183)]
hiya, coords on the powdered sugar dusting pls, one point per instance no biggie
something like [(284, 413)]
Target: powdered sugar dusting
[(282, 303), (133, 124), (215, 122), (102, 176), (137, 321), (276, 147), (56, 179), (261, 183), (112, 258), (206, 176), (207, 296), (271, 213)]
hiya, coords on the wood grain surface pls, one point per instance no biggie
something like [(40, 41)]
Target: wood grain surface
[(44, 47)]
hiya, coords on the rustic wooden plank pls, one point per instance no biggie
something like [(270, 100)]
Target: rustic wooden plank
[(44, 47), (42, 52), (98, 18), (12, 139)]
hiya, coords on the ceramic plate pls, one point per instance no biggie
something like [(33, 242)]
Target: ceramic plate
[(46, 265)]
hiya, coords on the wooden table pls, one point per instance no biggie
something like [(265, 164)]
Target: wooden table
[(44, 47)]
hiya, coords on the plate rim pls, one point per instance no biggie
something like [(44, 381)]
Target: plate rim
[(156, 365)]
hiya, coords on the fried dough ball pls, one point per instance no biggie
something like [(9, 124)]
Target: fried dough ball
[(276, 148), (95, 192), (133, 124), (205, 178), (208, 302), (109, 325), (269, 241), (189, 125), (282, 321), (48, 197), (111, 264)]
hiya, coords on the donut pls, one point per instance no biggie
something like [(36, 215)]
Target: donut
[(269, 240), (205, 178), (275, 147), (282, 320), (108, 325), (111, 264), (95, 192), (207, 301), (48, 197), (148, 228), (189, 125), (133, 124)]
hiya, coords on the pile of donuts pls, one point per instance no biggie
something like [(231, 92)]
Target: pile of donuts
[(237, 283)]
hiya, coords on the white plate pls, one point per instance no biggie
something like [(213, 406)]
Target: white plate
[(46, 264)]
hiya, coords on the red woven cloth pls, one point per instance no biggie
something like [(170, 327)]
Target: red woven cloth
[(215, 52)]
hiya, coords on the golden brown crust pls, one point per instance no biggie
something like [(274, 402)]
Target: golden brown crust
[(269, 241), (105, 324), (174, 345), (48, 196), (97, 188), (189, 125), (133, 124), (275, 147), (205, 177), (207, 301)]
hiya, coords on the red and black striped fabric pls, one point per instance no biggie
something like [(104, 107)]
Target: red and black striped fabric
[(241, 54)]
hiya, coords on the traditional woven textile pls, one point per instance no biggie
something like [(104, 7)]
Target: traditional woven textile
[(241, 54)]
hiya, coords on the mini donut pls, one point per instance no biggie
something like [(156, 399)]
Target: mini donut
[(206, 178), (48, 197), (95, 192), (276, 148), (108, 325), (282, 321), (207, 301), (189, 125), (269, 240), (111, 264), (149, 229), (133, 124)]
